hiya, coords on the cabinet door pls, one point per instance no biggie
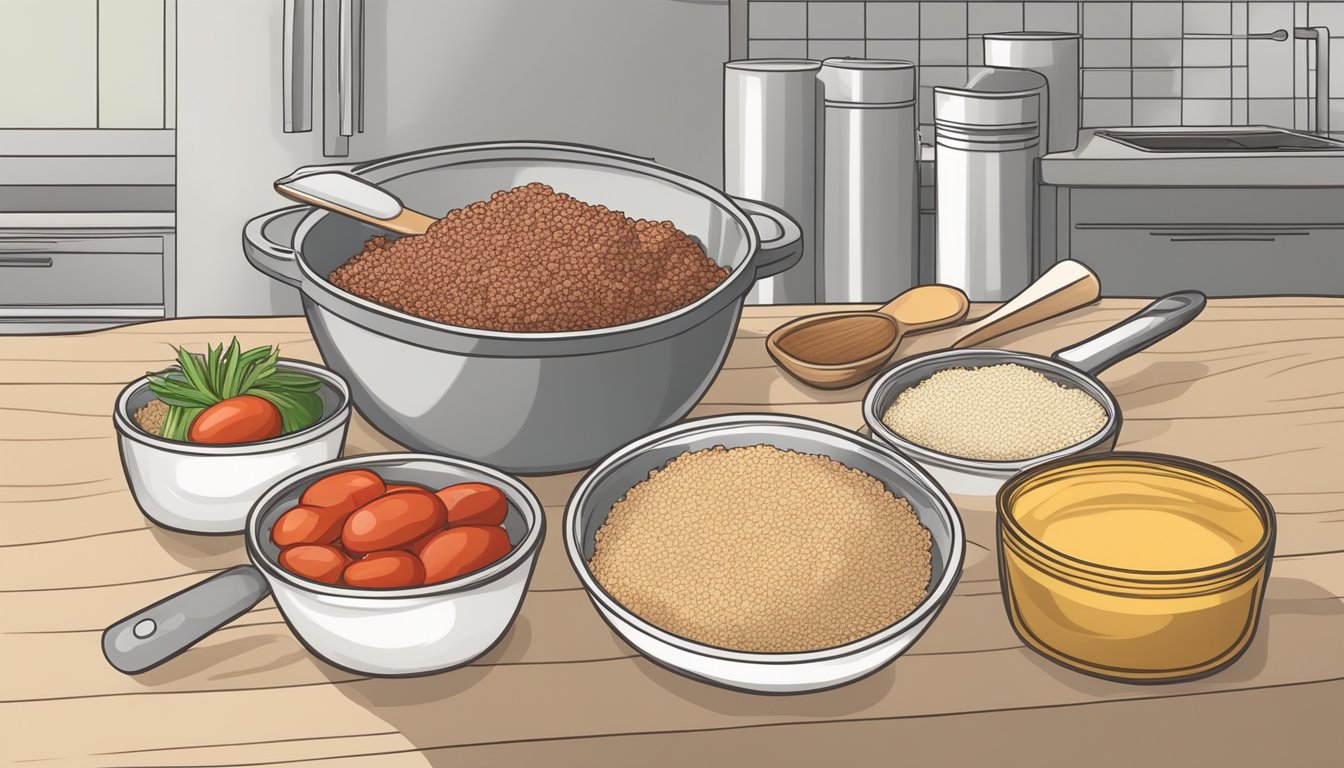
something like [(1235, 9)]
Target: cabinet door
[(1223, 260), (81, 271)]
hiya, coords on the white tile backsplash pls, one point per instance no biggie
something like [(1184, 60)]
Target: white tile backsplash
[(893, 20), (772, 21), (1206, 53), (1206, 111), (1105, 53), (1208, 18), (1144, 61), (1106, 20), (777, 49), (1106, 83), (1270, 112), (1157, 53), (905, 50), (826, 49), (942, 52), (942, 20), (1207, 83), (1157, 83), (1157, 19), (835, 20), (1051, 17), (1157, 111), (1106, 113), (993, 17)]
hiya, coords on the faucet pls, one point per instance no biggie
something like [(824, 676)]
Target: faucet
[(1322, 37)]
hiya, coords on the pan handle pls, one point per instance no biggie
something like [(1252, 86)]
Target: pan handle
[(1138, 332), (266, 239), (781, 238), (153, 635)]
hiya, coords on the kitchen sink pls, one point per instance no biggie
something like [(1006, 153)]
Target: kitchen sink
[(1256, 140)]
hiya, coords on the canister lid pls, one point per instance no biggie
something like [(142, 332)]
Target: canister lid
[(868, 81), (774, 65), (1032, 35), (992, 97)]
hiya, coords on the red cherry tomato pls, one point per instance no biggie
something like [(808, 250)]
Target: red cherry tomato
[(392, 521), (308, 525), (318, 562), (459, 551), (474, 504), (242, 419), (396, 568), (344, 491)]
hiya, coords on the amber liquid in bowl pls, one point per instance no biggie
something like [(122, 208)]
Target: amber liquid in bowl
[(1134, 566)]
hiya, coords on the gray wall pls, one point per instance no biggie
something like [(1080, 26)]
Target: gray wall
[(1140, 68)]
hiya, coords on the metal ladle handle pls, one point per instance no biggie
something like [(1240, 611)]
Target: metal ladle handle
[(155, 634), (1138, 332)]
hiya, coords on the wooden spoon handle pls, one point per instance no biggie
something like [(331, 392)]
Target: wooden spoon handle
[(1064, 287), (357, 198)]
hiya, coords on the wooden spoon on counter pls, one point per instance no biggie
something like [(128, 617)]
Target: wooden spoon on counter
[(839, 349), (357, 198), (1063, 288)]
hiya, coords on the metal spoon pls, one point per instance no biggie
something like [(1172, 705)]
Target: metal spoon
[(349, 195), (838, 349)]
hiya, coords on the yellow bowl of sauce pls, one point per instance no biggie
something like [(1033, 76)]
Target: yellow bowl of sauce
[(1134, 566)]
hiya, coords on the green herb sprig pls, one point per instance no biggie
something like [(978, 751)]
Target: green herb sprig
[(202, 380)]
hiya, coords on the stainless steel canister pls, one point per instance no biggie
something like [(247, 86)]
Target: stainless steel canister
[(1055, 56), (988, 136), (870, 221), (771, 112)]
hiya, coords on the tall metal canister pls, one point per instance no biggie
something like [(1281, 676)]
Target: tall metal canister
[(1056, 56), (870, 222), (771, 116), (988, 135)]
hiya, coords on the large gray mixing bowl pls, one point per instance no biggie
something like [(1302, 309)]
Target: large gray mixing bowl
[(528, 403)]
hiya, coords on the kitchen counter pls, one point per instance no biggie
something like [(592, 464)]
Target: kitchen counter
[(1252, 386), (1100, 162)]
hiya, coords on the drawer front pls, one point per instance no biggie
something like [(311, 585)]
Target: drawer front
[(1184, 206), (1251, 260), (38, 276)]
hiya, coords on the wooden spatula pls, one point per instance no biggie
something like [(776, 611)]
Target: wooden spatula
[(357, 198)]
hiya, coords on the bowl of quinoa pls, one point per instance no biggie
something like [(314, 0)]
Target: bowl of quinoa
[(974, 418), (764, 553)]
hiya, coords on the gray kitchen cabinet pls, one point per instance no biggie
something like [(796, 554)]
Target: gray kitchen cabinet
[(85, 279), (1146, 242)]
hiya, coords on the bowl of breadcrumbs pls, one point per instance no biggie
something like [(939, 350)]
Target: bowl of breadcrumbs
[(764, 553)]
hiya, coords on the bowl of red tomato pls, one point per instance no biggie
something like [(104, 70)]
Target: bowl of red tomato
[(387, 564), (202, 440)]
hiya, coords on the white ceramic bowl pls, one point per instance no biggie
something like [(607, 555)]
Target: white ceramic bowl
[(398, 632), (210, 488), (766, 672), (412, 631)]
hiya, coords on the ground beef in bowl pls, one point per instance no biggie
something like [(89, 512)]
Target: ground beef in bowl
[(532, 260)]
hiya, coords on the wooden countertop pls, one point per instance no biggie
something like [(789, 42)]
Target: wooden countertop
[(1253, 385)]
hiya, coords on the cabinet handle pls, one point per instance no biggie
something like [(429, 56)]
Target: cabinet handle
[(25, 261), (1223, 239), (297, 64), (350, 66)]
